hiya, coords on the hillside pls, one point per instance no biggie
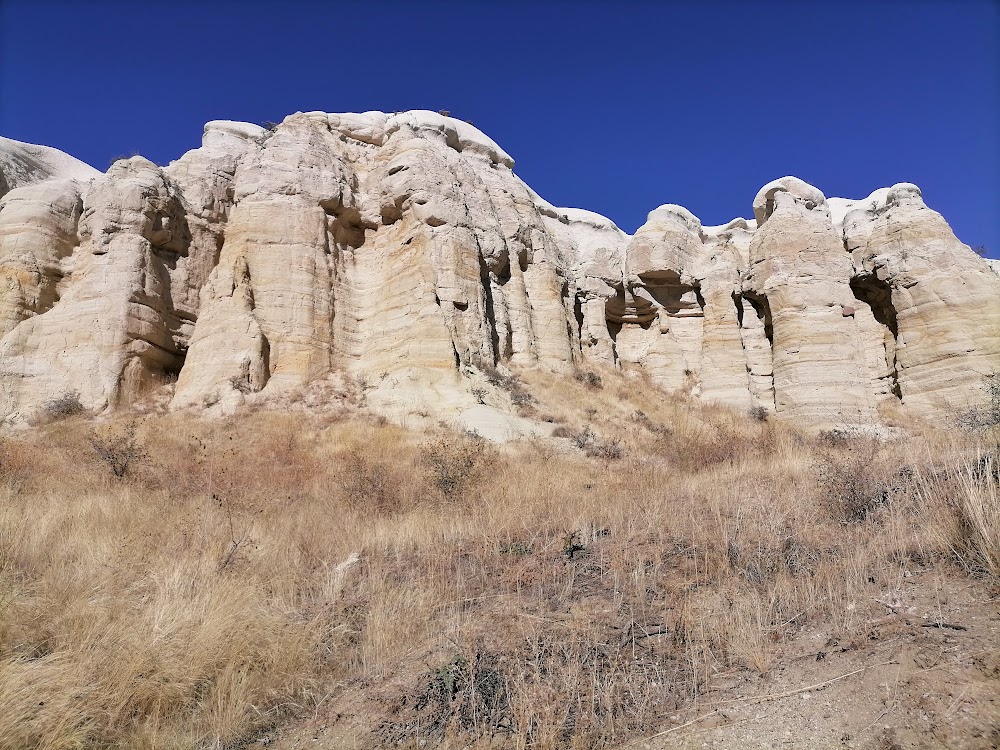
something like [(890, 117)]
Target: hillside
[(652, 567)]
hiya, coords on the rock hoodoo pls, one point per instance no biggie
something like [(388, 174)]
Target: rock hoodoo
[(403, 250)]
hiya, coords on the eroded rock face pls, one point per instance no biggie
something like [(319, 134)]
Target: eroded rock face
[(800, 273), (938, 302), (402, 250)]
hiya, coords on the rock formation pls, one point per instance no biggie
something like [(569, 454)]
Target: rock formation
[(403, 251)]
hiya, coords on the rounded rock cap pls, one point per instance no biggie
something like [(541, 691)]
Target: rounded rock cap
[(677, 214), (245, 131), (763, 203)]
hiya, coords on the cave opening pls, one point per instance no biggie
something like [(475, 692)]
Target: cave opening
[(172, 370), (760, 306), (578, 314), (877, 294), (753, 311), (491, 316)]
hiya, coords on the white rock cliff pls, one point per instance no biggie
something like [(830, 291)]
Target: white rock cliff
[(403, 251)]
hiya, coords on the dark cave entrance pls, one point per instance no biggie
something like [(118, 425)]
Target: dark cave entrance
[(877, 294)]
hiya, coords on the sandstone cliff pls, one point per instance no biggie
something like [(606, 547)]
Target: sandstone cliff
[(403, 251)]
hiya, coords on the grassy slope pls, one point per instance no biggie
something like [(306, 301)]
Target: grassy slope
[(530, 592)]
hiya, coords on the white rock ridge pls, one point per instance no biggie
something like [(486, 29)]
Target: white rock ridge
[(404, 251)]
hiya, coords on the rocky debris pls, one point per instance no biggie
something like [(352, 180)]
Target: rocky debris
[(403, 251)]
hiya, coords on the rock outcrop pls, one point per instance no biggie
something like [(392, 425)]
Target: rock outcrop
[(403, 251)]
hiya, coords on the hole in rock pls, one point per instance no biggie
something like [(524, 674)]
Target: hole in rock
[(345, 225), (578, 314), (172, 370), (763, 309), (877, 294), (491, 317)]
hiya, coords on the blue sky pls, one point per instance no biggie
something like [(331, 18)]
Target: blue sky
[(614, 107)]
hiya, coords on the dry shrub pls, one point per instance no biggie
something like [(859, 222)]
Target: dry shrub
[(852, 488), (120, 449), (465, 696), (705, 447), (589, 379), (591, 443), (987, 417), (375, 485), (453, 462), (67, 405), (258, 457), (510, 382)]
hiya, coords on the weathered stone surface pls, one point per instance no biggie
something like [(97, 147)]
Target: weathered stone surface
[(401, 249), (40, 207), (38, 232), (107, 275), (938, 302), (403, 252), (800, 273), (24, 164), (114, 328)]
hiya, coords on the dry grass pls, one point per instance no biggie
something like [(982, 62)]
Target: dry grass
[(531, 592)]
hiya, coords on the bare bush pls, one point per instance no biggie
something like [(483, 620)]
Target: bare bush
[(67, 405), (609, 450), (584, 439), (589, 379), (834, 437), (373, 485), (852, 486), (504, 381), (591, 443), (519, 395), (120, 449), (986, 417), (453, 462), (466, 696)]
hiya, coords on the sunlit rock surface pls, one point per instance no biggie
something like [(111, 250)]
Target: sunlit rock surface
[(402, 251)]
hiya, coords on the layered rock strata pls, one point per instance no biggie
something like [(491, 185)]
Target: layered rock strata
[(403, 250)]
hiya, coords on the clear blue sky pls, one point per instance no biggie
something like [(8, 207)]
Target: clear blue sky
[(614, 107)]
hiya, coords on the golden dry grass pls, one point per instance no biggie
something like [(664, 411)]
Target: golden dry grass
[(528, 591)]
